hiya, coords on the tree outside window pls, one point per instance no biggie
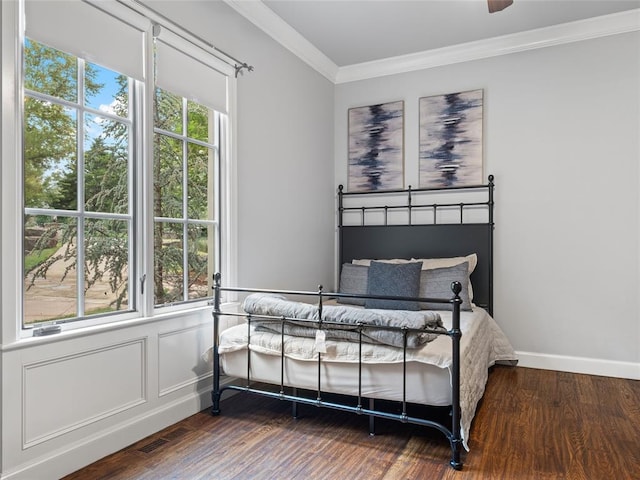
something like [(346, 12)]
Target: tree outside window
[(185, 162)]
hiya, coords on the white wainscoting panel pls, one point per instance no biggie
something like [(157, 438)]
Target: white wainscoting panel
[(180, 361), (103, 382)]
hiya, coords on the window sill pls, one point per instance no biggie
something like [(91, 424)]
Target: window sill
[(64, 335)]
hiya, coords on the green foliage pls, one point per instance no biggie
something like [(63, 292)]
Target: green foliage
[(107, 253), (106, 178), (169, 240), (64, 234), (50, 71), (36, 258), (50, 128), (49, 144)]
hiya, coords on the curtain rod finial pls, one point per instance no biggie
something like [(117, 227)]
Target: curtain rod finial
[(240, 67)]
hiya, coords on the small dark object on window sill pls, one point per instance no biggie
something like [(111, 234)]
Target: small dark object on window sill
[(48, 330)]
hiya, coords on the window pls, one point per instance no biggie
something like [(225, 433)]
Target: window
[(184, 204), (189, 102), (77, 170), (117, 222)]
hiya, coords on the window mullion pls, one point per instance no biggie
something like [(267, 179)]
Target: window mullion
[(80, 169), (145, 165), (132, 223), (221, 195), (214, 196), (185, 201), (181, 137), (66, 103)]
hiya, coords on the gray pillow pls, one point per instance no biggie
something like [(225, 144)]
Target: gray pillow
[(353, 279), (436, 283), (394, 279)]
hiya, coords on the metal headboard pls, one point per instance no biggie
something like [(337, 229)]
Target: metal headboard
[(422, 233)]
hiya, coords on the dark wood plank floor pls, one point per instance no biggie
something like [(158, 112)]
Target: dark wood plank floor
[(531, 424)]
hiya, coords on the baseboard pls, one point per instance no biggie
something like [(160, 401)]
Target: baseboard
[(75, 456), (589, 366)]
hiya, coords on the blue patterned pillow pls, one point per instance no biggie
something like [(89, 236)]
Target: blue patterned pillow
[(394, 279)]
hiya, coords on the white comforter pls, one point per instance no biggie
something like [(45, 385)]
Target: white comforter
[(482, 344)]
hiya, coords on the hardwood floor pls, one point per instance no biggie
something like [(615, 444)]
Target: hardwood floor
[(531, 424)]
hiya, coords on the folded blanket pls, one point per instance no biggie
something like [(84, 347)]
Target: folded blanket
[(341, 322)]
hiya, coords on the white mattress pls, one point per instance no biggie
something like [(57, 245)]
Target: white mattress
[(428, 368), (426, 384)]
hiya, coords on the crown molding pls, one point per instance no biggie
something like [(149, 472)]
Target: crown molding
[(492, 47), (265, 19)]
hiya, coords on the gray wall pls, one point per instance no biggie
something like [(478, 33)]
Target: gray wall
[(561, 137)]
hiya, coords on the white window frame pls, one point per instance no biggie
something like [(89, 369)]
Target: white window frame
[(11, 203)]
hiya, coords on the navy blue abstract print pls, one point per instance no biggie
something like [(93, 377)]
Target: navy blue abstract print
[(376, 141)]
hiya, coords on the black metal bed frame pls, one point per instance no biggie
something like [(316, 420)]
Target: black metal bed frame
[(421, 240), (380, 242)]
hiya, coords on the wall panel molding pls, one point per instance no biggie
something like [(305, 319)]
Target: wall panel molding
[(179, 367), (104, 382)]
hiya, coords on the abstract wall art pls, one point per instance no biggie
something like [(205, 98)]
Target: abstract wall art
[(376, 147), (451, 139)]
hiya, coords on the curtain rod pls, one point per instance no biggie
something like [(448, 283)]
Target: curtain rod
[(238, 65)]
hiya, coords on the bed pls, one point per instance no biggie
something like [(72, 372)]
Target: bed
[(410, 322)]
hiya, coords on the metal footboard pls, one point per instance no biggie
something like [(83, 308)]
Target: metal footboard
[(451, 431)]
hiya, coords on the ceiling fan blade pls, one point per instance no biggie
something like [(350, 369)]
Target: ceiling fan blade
[(497, 5)]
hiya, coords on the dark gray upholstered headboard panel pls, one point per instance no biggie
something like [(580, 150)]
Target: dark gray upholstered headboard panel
[(426, 240)]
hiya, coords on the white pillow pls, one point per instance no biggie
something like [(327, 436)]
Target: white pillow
[(429, 263)]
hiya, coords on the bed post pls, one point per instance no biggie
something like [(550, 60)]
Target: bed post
[(491, 227), (340, 213), (455, 333), (215, 394)]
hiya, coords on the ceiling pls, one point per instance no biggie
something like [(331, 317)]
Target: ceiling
[(351, 32)]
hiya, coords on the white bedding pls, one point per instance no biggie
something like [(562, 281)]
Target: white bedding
[(482, 344)]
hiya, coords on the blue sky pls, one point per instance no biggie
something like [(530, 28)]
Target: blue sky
[(105, 97)]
